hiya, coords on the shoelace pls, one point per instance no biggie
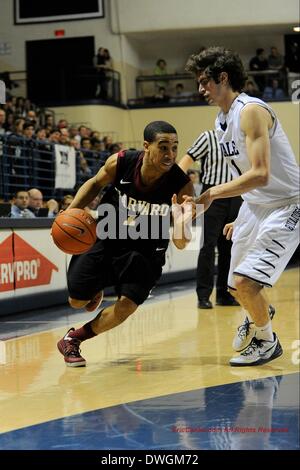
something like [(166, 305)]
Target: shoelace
[(72, 348), (244, 329), (255, 344)]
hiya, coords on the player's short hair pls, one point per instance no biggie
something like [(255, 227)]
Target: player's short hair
[(157, 127), (215, 60)]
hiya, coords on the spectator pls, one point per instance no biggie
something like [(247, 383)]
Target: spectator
[(181, 96), (85, 143), (97, 144), (19, 208), (28, 130), (64, 136), (20, 111), (9, 123), (31, 117), (18, 127), (273, 92), (95, 134), (275, 59), (62, 123), (74, 143), (161, 96), (28, 106), (108, 141), (82, 132), (49, 123), (65, 202), (259, 63), (54, 136), (36, 203), (73, 132), (161, 69), (40, 134), (102, 63)]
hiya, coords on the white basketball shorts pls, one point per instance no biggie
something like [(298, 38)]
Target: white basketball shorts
[(264, 240)]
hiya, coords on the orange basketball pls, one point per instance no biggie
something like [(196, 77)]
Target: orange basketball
[(74, 231)]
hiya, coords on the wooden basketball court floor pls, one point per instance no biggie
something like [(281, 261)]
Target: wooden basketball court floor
[(161, 380)]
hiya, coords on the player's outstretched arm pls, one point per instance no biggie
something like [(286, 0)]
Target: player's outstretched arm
[(90, 189)]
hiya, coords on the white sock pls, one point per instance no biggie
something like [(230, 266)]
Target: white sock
[(264, 332)]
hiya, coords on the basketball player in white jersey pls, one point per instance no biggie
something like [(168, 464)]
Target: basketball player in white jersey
[(265, 233)]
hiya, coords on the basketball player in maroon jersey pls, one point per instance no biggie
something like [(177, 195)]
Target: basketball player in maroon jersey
[(144, 185)]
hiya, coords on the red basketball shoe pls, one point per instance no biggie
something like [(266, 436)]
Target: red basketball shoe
[(69, 348)]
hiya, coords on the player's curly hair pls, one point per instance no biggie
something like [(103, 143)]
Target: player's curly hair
[(215, 60)]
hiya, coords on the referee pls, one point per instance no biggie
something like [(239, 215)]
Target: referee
[(213, 171)]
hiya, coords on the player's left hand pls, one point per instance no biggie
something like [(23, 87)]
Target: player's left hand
[(183, 213)]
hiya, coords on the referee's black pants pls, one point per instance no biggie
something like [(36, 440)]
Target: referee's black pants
[(221, 212)]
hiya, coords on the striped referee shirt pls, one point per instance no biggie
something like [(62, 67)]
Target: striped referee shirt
[(207, 151)]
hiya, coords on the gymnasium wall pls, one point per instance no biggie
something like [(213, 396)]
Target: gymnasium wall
[(17, 35), (157, 15), (124, 17), (138, 32), (189, 121)]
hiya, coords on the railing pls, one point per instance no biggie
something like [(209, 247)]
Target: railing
[(164, 80), (263, 78), (27, 163), (147, 88)]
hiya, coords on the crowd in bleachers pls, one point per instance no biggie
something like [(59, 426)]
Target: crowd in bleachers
[(21, 117), (26, 133), (267, 80), (29, 204)]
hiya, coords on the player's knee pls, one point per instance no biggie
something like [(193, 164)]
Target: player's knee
[(124, 308), (77, 303), (245, 286)]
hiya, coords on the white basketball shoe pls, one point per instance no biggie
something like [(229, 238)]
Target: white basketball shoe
[(246, 332), (258, 352)]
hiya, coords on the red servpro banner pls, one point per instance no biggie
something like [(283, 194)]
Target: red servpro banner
[(21, 265)]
